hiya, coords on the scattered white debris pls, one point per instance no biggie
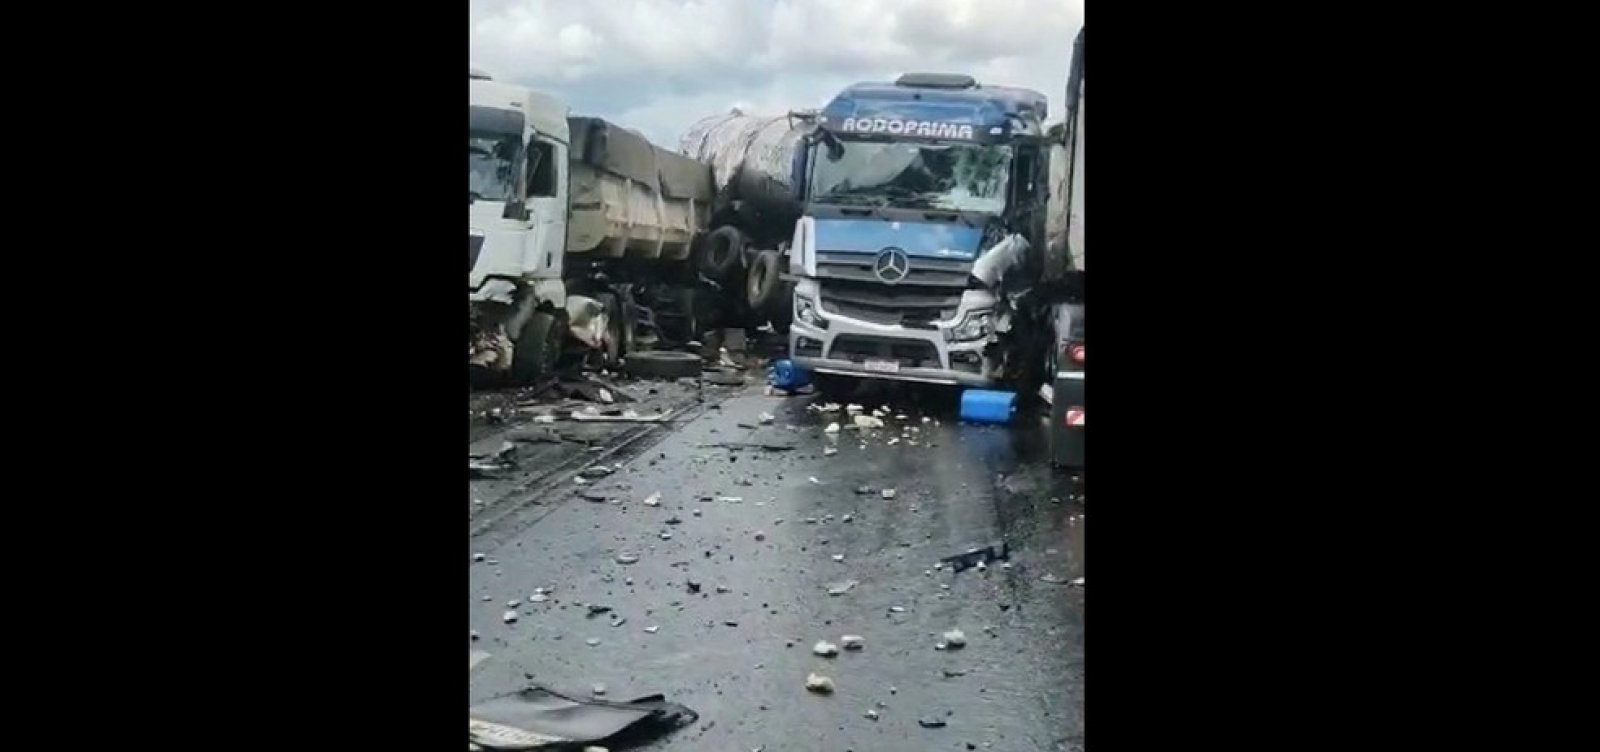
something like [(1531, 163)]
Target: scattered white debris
[(510, 617), (473, 634), (897, 609), (825, 649), (926, 419), (1078, 582), (696, 513), (477, 557), (868, 421), (829, 451), (513, 603), (652, 629), (760, 536), (627, 558), (982, 566), (666, 535), (580, 480), (653, 500), (766, 418), (544, 418), (827, 407), (731, 499), (894, 441), (852, 642), (901, 416), (854, 408), (838, 557), (592, 641), (880, 412), (832, 428), (848, 518), (599, 689), (955, 638), (871, 715), (819, 684), (888, 493), (842, 587), (724, 589)]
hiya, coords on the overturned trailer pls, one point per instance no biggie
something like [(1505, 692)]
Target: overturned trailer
[(756, 164)]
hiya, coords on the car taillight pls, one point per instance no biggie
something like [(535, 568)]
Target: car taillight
[(1075, 417), (1076, 353)]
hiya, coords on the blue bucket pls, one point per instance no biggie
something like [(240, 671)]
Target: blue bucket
[(988, 406), (788, 376)]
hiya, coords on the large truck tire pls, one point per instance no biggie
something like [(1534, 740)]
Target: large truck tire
[(724, 252), (663, 365), (762, 285), (538, 348)]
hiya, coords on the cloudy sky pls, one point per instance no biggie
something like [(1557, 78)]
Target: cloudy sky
[(660, 65)]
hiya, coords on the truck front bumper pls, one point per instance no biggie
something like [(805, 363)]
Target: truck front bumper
[(863, 349)]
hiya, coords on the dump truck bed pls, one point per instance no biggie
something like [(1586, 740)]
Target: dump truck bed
[(632, 199)]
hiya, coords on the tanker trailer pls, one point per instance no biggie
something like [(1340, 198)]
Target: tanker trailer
[(756, 165)]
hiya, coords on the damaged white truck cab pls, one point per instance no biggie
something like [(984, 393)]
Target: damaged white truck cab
[(518, 141)]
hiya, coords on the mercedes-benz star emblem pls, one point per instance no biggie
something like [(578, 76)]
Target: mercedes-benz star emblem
[(892, 265)]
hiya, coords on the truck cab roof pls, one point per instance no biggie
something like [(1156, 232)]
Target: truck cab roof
[(938, 98), (545, 113)]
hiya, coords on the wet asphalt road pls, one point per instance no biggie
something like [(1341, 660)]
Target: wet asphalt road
[(740, 658)]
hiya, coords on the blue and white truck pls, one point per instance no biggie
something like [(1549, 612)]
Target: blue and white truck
[(897, 213)]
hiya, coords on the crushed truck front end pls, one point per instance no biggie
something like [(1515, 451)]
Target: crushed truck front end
[(908, 188), (888, 298)]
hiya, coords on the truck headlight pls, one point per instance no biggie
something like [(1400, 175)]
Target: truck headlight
[(973, 326), (805, 312)]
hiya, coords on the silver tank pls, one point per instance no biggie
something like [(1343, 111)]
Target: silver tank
[(751, 158)]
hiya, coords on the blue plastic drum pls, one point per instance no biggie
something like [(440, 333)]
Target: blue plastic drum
[(988, 406), (788, 376)]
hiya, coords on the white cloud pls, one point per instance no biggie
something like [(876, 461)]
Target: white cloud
[(660, 65)]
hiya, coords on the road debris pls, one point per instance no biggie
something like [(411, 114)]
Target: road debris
[(592, 642), (977, 556), (594, 472), (819, 684), (513, 603), (827, 407), (509, 617), (854, 408), (760, 536), (888, 493), (537, 716), (832, 428), (852, 642), (738, 445), (652, 629), (931, 721), (868, 421), (473, 635), (477, 557), (627, 558), (871, 715), (894, 441), (825, 649), (847, 518), (766, 418), (596, 609), (1079, 582), (838, 557), (829, 451), (653, 500), (666, 535), (842, 587), (599, 689), (694, 585), (955, 638), (814, 480)]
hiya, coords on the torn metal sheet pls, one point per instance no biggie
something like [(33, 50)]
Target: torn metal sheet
[(541, 718)]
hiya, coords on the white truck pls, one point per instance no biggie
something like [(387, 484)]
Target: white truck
[(577, 228)]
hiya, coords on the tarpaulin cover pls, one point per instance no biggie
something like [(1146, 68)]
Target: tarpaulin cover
[(541, 718)]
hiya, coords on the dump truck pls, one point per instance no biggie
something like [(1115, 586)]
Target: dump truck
[(581, 236)]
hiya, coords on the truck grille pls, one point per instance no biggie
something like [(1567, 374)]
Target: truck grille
[(890, 304), (857, 267), (910, 353)]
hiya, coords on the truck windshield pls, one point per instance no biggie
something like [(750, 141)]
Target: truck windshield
[(958, 177), (492, 159)]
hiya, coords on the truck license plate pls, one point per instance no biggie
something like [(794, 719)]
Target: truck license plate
[(883, 366)]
